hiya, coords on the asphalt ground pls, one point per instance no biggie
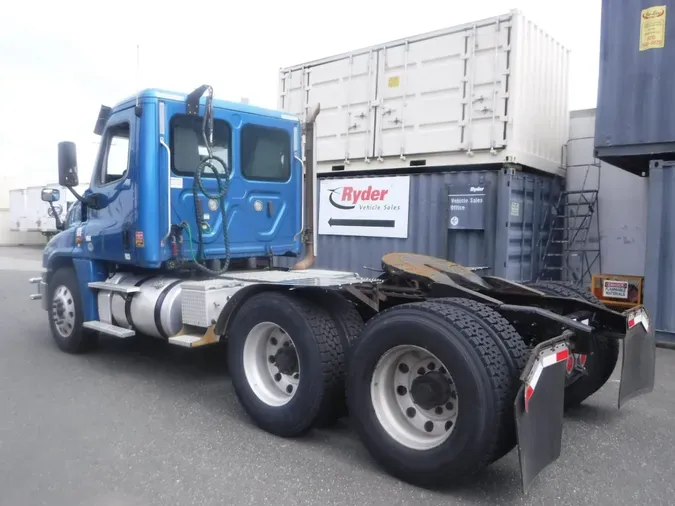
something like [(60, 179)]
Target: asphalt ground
[(141, 423)]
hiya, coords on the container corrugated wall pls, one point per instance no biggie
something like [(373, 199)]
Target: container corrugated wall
[(490, 91), (509, 245), (659, 290), (635, 96)]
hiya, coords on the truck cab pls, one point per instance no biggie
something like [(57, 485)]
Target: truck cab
[(146, 207)]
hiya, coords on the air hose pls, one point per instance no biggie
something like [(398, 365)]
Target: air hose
[(220, 196)]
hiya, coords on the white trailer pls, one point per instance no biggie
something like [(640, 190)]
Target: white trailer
[(491, 91), (30, 214)]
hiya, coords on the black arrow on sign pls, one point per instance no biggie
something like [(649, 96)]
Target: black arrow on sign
[(361, 223)]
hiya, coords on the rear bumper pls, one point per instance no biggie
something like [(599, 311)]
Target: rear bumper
[(540, 401), (41, 291)]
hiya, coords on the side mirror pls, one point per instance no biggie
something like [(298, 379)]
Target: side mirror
[(68, 165), (50, 195)]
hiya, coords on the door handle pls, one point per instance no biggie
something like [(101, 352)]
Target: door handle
[(126, 236)]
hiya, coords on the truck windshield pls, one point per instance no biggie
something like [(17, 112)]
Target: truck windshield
[(188, 148)]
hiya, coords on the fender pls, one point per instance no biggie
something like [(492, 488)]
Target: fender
[(236, 301)]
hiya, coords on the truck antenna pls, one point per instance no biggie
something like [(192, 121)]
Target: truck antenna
[(138, 80)]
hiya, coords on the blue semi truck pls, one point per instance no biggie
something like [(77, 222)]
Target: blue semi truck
[(441, 370)]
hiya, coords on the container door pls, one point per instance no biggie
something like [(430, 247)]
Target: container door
[(444, 93), (486, 88), (346, 90)]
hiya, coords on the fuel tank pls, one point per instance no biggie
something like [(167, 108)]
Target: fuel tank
[(154, 311)]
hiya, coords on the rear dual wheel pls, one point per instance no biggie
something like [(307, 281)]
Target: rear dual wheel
[(286, 358), (587, 374), (431, 390)]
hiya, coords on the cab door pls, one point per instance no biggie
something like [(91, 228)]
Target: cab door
[(108, 233)]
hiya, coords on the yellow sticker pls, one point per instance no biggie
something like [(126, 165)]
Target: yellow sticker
[(394, 82), (653, 28)]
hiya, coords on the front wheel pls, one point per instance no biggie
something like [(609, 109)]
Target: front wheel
[(65, 313)]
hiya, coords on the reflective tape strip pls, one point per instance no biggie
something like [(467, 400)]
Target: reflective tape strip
[(639, 317), (551, 358)]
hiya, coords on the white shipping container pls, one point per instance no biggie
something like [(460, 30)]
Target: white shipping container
[(491, 91)]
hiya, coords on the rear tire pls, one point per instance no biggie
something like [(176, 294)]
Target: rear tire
[(514, 350), (64, 310), (349, 324), (403, 441), (604, 354), (286, 396)]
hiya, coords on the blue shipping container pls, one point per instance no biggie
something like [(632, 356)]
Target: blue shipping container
[(635, 90), (508, 241), (659, 289)]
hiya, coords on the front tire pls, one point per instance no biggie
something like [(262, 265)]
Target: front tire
[(64, 310), (427, 390), (286, 363)]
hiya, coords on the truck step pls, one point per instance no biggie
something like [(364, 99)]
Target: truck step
[(185, 340), (110, 330), (192, 337), (112, 287)]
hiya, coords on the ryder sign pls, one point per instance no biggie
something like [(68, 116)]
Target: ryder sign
[(366, 207)]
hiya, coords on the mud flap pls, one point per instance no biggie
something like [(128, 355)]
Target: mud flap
[(638, 363), (539, 408)]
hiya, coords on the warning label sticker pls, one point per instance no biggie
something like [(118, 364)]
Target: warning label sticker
[(615, 289), (653, 28)]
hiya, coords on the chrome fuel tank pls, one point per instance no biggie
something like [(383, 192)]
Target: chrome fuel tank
[(154, 311)]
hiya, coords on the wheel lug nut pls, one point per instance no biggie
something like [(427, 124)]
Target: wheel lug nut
[(448, 425), (403, 368), (277, 377), (449, 406), (410, 412), (272, 359), (429, 426), (401, 390), (431, 366), (439, 410), (421, 371), (274, 341), (296, 376), (289, 389)]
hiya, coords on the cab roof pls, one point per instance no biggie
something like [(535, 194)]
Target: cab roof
[(181, 97)]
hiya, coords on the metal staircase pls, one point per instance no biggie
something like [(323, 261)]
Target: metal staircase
[(569, 254)]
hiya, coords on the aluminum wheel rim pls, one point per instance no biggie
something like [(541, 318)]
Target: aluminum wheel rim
[(272, 385), (63, 311), (390, 390)]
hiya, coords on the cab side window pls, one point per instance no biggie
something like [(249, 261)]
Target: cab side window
[(74, 214), (189, 150), (114, 163), (265, 153)]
